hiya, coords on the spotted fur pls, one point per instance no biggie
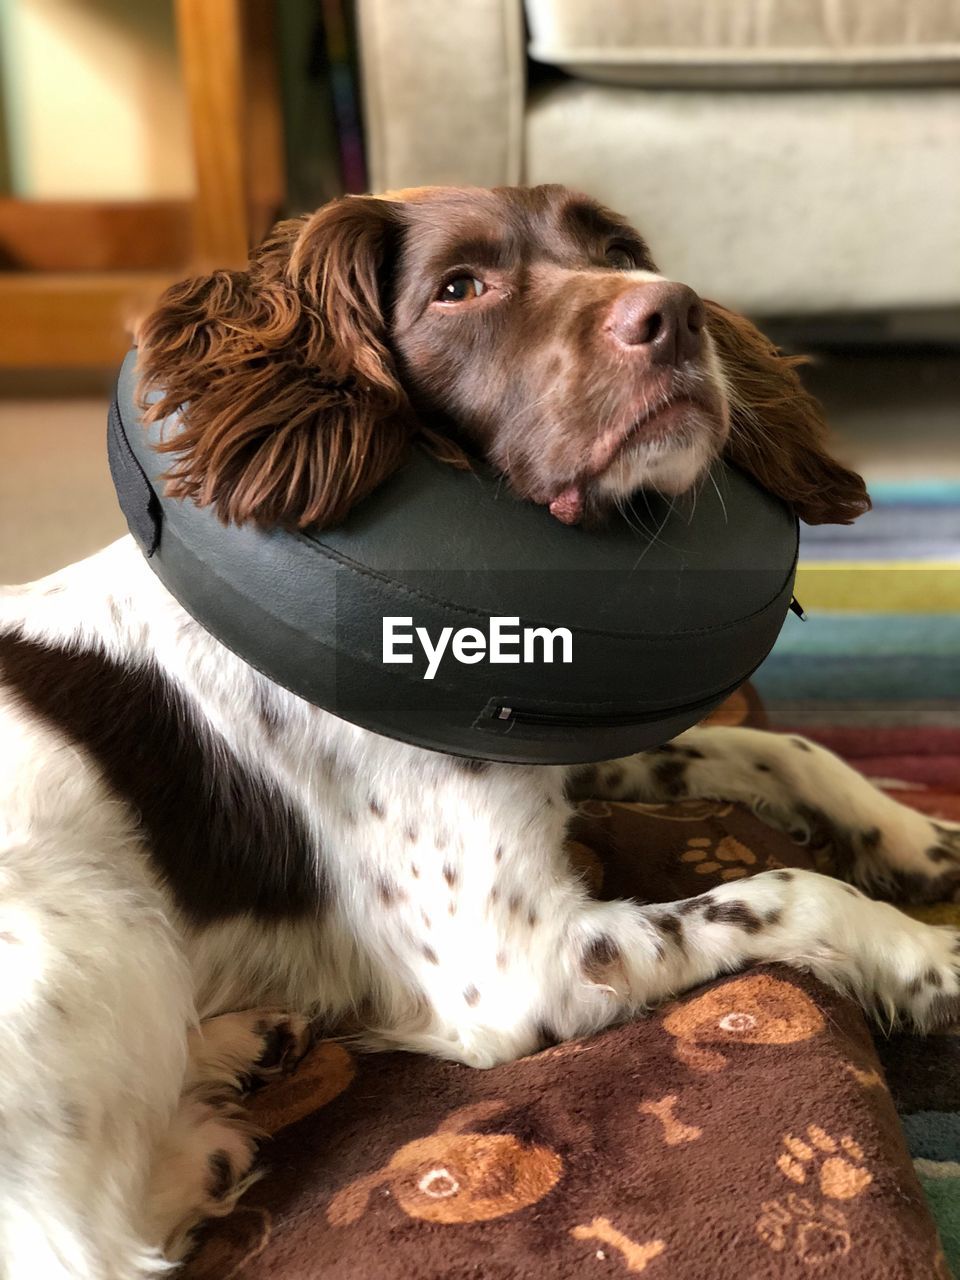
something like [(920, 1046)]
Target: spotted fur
[(327, 870), (181, 840)]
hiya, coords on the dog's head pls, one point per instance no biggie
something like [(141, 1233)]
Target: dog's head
[(528, 325)]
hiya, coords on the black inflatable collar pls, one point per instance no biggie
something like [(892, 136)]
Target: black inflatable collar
[(661, 628)]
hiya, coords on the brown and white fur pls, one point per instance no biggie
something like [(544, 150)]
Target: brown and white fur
[(182, 841)]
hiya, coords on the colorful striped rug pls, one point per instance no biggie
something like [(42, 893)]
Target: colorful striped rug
[(916, 520), (881, 645)]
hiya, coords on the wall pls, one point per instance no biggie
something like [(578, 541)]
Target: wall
[(93, 104)]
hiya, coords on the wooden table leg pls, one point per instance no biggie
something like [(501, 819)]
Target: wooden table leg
[(228, 55)]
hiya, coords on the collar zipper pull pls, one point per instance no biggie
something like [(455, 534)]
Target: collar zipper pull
[(797, 608)]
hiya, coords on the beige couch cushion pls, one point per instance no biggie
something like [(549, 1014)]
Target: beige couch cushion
[(444, 91), (779, 203), (749, 41)]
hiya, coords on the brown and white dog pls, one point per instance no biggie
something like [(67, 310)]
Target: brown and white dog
[(182, 841)]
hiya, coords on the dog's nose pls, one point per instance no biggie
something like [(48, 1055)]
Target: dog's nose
[(664, 318)]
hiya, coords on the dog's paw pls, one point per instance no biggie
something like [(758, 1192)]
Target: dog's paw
[(284, 1039), (204, 1167), (240, 1050), (944, 851), (919, 980), (916, 862)]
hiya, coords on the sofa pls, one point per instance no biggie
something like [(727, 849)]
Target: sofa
[(792, 157)]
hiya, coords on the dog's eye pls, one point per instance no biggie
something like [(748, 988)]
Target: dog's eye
[(620, 258), (461, 289)]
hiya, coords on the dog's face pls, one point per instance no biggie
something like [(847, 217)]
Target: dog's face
[(536, 323), (527, 324)]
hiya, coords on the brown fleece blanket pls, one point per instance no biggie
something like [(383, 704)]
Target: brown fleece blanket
[(744, 1131)]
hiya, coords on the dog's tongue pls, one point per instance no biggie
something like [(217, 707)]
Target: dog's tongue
[(567, 506)]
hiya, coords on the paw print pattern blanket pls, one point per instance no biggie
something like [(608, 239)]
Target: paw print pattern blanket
[(743, 1131)]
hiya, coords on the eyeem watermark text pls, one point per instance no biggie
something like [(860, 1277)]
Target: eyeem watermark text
[(504, 642)]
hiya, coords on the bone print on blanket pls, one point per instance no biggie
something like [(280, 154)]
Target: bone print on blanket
[(743, 1130)]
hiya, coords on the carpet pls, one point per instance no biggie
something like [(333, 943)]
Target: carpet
[(881, 644), (914, 522)]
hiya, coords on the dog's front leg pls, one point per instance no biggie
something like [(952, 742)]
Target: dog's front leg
[(519, 972), (800, 787), (483, 944), (898, 968)]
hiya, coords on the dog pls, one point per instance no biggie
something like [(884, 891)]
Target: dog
[(195, 862)]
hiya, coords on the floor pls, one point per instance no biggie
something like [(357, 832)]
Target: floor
[(56, 498), (896, 417)]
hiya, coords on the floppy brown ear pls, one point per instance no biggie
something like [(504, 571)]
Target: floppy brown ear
[(777, 429), (291, 409)]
